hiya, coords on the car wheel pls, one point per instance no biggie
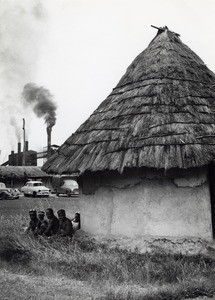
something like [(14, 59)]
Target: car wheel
[(26, 195), (34, 194), (67, 193), (3, 197)]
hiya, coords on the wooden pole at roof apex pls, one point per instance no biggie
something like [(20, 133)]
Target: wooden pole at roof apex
[(160, 28)]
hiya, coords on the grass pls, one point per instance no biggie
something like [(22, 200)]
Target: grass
[(21, 206), (104, 273)]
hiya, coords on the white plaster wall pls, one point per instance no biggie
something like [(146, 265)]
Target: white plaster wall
[(149, 206)]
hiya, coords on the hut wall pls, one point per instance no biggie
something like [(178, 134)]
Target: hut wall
[(149, 203)]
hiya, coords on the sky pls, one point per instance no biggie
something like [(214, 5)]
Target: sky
[(78, 50)]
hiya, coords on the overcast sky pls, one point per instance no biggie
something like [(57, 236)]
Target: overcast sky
[(79, 50)]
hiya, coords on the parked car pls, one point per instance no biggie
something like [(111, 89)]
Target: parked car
[(68, 187), (66, 191), (5, 195), (3, 187), (15, 192), (35, 188)]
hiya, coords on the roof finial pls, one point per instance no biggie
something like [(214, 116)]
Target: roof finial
[(161, 29)]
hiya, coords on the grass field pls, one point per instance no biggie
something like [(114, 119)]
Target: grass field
[(83, 268), (21, 206)]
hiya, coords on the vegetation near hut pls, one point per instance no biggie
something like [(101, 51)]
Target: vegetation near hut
[(161, 115), (84, 267)]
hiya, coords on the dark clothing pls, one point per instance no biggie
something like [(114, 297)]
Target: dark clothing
[(53, 226), (32, 225), (41, 227), (65, 228)]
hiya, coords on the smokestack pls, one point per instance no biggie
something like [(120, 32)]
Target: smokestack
[(19, 157), (19, 147), (12, 161), (49, 132), (23, 154), (26, 146), (42, 103)]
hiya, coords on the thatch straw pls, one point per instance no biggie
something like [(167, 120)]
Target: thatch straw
[(22, 172), (160, 115)]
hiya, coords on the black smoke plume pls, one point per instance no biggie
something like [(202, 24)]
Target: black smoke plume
[(41, 100)]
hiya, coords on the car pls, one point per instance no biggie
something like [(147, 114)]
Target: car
[(15, 192), (68, 187), (67, 191), (35, 188), (3, 187), (5, 195)]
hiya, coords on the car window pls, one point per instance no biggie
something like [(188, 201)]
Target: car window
[(37, 184)]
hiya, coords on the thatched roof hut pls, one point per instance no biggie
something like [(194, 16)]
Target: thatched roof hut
[(143, 154), (16, 176), (22, 172), (160, 115)]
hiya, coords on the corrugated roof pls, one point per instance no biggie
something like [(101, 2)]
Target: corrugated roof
[(161, 115)]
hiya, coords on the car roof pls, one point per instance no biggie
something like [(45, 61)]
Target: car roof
[(31, 181)]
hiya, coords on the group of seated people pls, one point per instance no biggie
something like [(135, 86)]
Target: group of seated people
[(61, 226)]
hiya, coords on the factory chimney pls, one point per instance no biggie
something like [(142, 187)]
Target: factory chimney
[(19, 147), (24, 145), (42, 103), (49, 131), (19, 158)]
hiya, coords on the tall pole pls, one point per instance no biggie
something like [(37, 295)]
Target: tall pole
[(23, 156), (49, 132)]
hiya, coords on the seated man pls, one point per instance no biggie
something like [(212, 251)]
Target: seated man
[(65, 226), (42, 224), (53, 223), (33, 221)]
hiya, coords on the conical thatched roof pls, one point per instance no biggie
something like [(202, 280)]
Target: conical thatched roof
[(160, 115)]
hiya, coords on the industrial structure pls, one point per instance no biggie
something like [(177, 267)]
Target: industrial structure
[(28, 157)]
